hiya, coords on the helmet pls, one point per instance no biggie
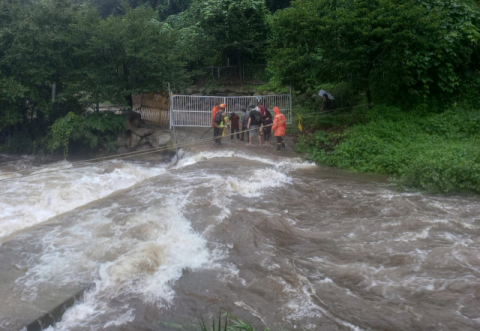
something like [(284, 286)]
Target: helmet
[(222, 105)]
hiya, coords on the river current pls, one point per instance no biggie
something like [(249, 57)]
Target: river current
[(275, 240)]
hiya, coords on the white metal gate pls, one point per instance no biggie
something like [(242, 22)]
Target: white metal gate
[(193, 110)]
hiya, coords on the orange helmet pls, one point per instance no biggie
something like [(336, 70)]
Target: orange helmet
[(222, 105)]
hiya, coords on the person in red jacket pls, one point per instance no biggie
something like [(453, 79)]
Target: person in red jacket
[(279, 127), (235, 125)]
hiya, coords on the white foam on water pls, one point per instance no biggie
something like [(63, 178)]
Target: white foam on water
[(32, 200), (252, 311), (301, 306), (35, 199), (282, 162), (413, 236), (141, 258), (256, 183)]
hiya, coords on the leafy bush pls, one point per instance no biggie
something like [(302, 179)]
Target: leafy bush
[(95, 130), (430, 152)]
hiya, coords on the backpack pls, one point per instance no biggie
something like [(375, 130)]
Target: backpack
[(258, 117), (218, 118)]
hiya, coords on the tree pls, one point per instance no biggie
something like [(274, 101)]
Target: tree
[(128, 55), (275, 5), (35, 53), (237, 27), (386, 48)]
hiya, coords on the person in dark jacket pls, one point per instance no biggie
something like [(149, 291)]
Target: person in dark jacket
[(262, 109), (235, 125), (267, 122), (254, 123), (245, 117)]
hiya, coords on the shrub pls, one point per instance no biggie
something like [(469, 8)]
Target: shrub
[(421, 150), (95, 130)]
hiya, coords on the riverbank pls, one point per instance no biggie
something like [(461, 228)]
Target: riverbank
[(429, 152)]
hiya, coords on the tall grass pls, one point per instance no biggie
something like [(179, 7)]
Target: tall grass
[(230, 323)]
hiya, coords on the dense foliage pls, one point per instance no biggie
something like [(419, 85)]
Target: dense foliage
[(408, 48), (58, 56), (431, 152), (94, 131)]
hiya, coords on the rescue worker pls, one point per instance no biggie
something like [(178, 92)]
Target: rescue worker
[(221, 121), (279, 127), (216, 130)]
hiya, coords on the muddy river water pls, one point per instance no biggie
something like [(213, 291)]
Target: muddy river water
[(274, 240)]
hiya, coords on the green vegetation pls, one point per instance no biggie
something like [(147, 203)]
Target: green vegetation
[(390, 49), (230, 323), (93, 131), (433, 152), (416, 60)]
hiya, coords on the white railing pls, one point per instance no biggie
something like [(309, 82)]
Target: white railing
[(193, 110)]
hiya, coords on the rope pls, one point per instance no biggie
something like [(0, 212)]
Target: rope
[(87, 163)]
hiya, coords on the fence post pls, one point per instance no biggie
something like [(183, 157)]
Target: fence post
[(291, 104), (172, 122)]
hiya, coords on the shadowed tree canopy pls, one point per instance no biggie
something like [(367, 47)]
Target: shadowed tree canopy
[(237, 28), (128, 54), (402, 47)]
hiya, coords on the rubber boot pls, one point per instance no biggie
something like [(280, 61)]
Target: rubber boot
[(279, 145)]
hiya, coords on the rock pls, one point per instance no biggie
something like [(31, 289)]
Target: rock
[(264, 92), (142, 132), (197, 94), (143, 141), (142, 148), (122, 140), (133, 141), (256, 94), (122, 150), (306, 156), (159, 139), (271, 93), (189, 91), (316, 96)]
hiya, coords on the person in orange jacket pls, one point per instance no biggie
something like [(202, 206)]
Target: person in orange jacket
[(279, 127), (214, 112), (221, 107)]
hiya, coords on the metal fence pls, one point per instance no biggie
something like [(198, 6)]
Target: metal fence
[(190, 110)]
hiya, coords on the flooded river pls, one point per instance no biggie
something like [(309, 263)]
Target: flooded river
[(274, 240)]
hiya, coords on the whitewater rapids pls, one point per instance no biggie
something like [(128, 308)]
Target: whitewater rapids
[(275, 240)]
